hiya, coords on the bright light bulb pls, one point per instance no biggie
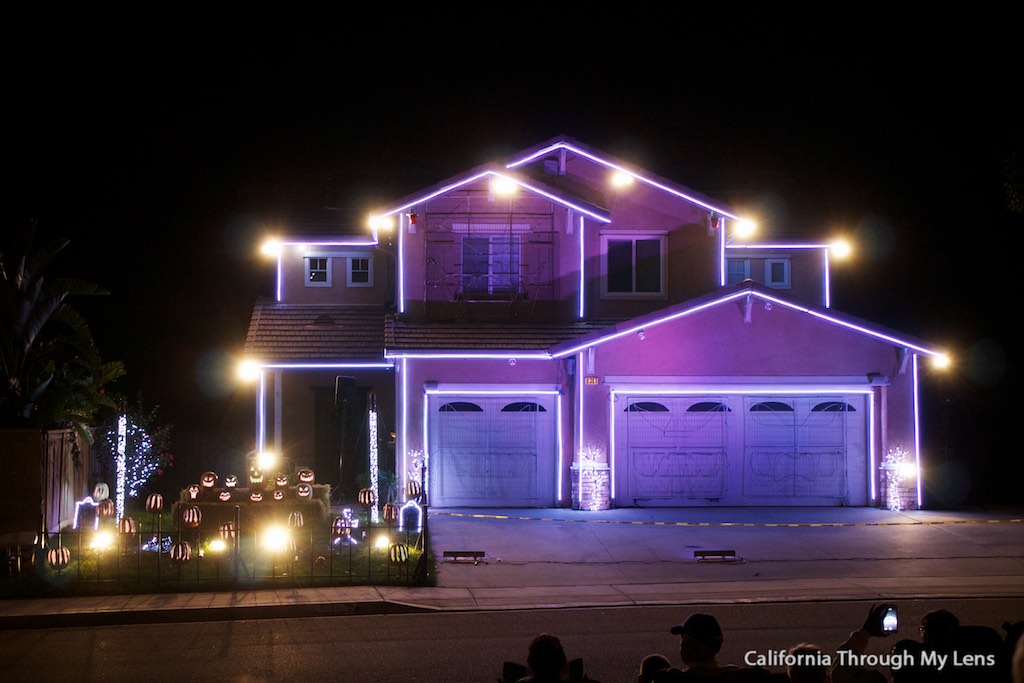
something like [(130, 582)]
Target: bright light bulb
[(248, 370), (266, 460), (502, 186), (275, 539), (271, 247), (942, 361), (744, 228), (382, 542), (622, 179), (840, 248)]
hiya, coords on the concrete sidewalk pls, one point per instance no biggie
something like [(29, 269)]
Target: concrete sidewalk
[(569, 558)]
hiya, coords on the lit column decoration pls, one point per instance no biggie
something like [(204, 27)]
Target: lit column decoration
[(894, 478), (374, 457), (122, 438)]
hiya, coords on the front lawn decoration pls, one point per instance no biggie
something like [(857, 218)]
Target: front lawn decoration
[(155, 503), (58, 557), (398, 553), (181, 552), (192, 516), (126, 526), (306, 475), (208, 480)]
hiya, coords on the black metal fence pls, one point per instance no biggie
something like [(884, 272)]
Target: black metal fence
[(111, 559)]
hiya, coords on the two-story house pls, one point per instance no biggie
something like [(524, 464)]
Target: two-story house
[(566, 329)]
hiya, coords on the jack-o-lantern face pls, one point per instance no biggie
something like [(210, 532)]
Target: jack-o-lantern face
[(231, 481), (304, 490), (208, 480), (278, 494), (225, 496), (255, 475), (100, 492), (256, 496), (282, 480), (306, 475), (193, 491)]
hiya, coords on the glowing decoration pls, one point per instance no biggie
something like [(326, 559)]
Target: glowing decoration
[(91, 503), (276, 539), (224, 496), (278, 494), (122, 438), (411, 505), (255, 476), (208, 480), (304, 491), (894, 470), (192, 516), (374, 458), (256, 496), (101, 541), (155, 503), (231, 481), (398, 553), (218, 545), (295, 520), (227, 530), (413, 489), (126, 526), (320, 561), (281, 480), (106, 508), (366, 497), (306, 475), (390, 513), (58, 557), (193, 491), (100, 492), (181, 552)]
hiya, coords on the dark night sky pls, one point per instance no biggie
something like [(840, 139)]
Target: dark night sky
[(162, 155)]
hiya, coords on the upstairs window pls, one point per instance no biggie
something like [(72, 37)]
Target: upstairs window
[(738, 271), (776, 273), (318, 271), (634, 266), (490, 265), (360, 272)]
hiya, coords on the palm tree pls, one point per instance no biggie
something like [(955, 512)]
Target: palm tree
[(51, 369)]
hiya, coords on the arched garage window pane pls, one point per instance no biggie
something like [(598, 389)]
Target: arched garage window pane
[(524, 407), (833, 407), (646, 407), (771, 407), (460, 407), (708, 407)]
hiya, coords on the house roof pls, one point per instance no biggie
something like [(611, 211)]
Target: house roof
[(732, 294), (311, 332), (542, 151), (493, 170), (403, 337)]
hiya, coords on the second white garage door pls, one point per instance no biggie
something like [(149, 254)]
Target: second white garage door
[(741, 450)]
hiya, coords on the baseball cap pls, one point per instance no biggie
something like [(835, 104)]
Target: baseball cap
[(700, 627)]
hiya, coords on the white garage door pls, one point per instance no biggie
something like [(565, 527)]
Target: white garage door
[(741, 450), (492, 451)]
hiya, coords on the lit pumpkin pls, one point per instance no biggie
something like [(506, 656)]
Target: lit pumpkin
[(282, 480), (413, 489), (231, 481), (181, 552), (154, 503), (256, 496), (126, 525), (227, 531), (58, 557), (398, 553), (295, 520), (341, 527), (304, 490), (105, 508), (193, 491), (224, 496), (278, 494), (306, 475), (366, 497), (255, 475), (192, 516), (389, 512), (100, 492), (208, 480)]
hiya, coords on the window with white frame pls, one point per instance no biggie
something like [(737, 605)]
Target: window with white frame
[(737, 271), (633, 265), (360, 271), (318, 271), (776, 273)]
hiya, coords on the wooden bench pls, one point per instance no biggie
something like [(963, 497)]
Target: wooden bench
[(469, 555), (715, 554)]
